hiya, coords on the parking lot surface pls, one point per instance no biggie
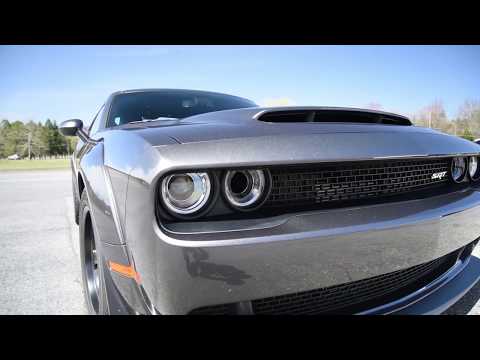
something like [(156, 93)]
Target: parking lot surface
[(39, 261)]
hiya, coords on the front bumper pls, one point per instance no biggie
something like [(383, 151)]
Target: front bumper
[(440, 299), (429, 298), (185, 271), (441, 293)]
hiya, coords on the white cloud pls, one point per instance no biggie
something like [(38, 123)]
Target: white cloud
[(281, 101)]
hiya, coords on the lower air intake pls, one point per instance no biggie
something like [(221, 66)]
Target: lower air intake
[(347, 298)]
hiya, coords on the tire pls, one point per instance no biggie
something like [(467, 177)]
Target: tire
[(92, 262), (76, 202)]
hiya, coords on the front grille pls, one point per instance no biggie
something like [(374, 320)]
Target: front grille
[(358, 295), (350, 297), (334, 183), (223, 309)]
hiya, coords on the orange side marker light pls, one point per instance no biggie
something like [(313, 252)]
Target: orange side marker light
[(125, 270)]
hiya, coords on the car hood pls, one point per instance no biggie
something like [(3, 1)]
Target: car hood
[(244, 123), (237, 138)]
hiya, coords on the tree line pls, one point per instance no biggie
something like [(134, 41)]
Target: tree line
[(37, 140), (34, 140), (465, 124)]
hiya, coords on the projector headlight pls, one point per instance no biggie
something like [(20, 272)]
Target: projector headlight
[(186, 193), (473, 169), (459, 169), (246, 189)]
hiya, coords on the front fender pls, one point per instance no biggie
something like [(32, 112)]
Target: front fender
[(106, 190), (101, 195)]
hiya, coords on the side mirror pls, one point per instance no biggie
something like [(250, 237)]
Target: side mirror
[(71, 127), (74, 127)]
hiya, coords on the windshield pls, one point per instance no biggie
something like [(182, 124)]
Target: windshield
[(171, 104)]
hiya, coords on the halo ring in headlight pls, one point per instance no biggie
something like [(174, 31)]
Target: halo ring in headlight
[(186, 193), (245, 189), (473, 168), (459, 169)]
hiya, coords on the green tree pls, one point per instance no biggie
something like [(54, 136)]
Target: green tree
[(15, 138), (71, 144), (58, 141), (4, 124), (41, 139), (2, 138), (469, 116), (468, 135)]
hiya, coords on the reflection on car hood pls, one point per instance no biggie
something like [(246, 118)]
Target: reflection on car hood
[(241, 123)]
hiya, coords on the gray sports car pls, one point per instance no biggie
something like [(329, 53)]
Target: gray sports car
[(193, 202)]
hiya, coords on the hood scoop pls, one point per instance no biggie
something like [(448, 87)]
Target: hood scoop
[(358, 116)]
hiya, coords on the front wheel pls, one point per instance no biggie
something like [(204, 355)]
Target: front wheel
[(91, 261)]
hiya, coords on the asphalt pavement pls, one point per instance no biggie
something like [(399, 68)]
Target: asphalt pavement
[(39, 260)]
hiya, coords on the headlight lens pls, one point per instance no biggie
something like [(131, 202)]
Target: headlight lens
[(473, 169), (245, 188), (459, 169), (186, 193)]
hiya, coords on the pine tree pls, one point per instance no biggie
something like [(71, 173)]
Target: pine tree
[(45, 139)]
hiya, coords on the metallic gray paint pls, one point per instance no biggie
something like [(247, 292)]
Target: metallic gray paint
[(182, 271), (410, 300), (447, 295), (296, 258)]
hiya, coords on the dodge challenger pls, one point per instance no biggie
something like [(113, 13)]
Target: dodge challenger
[(195, 202)]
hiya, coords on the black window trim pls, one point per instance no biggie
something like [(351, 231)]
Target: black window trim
[(95, 119)]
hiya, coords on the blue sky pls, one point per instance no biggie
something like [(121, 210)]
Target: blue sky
[(61, 82)]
